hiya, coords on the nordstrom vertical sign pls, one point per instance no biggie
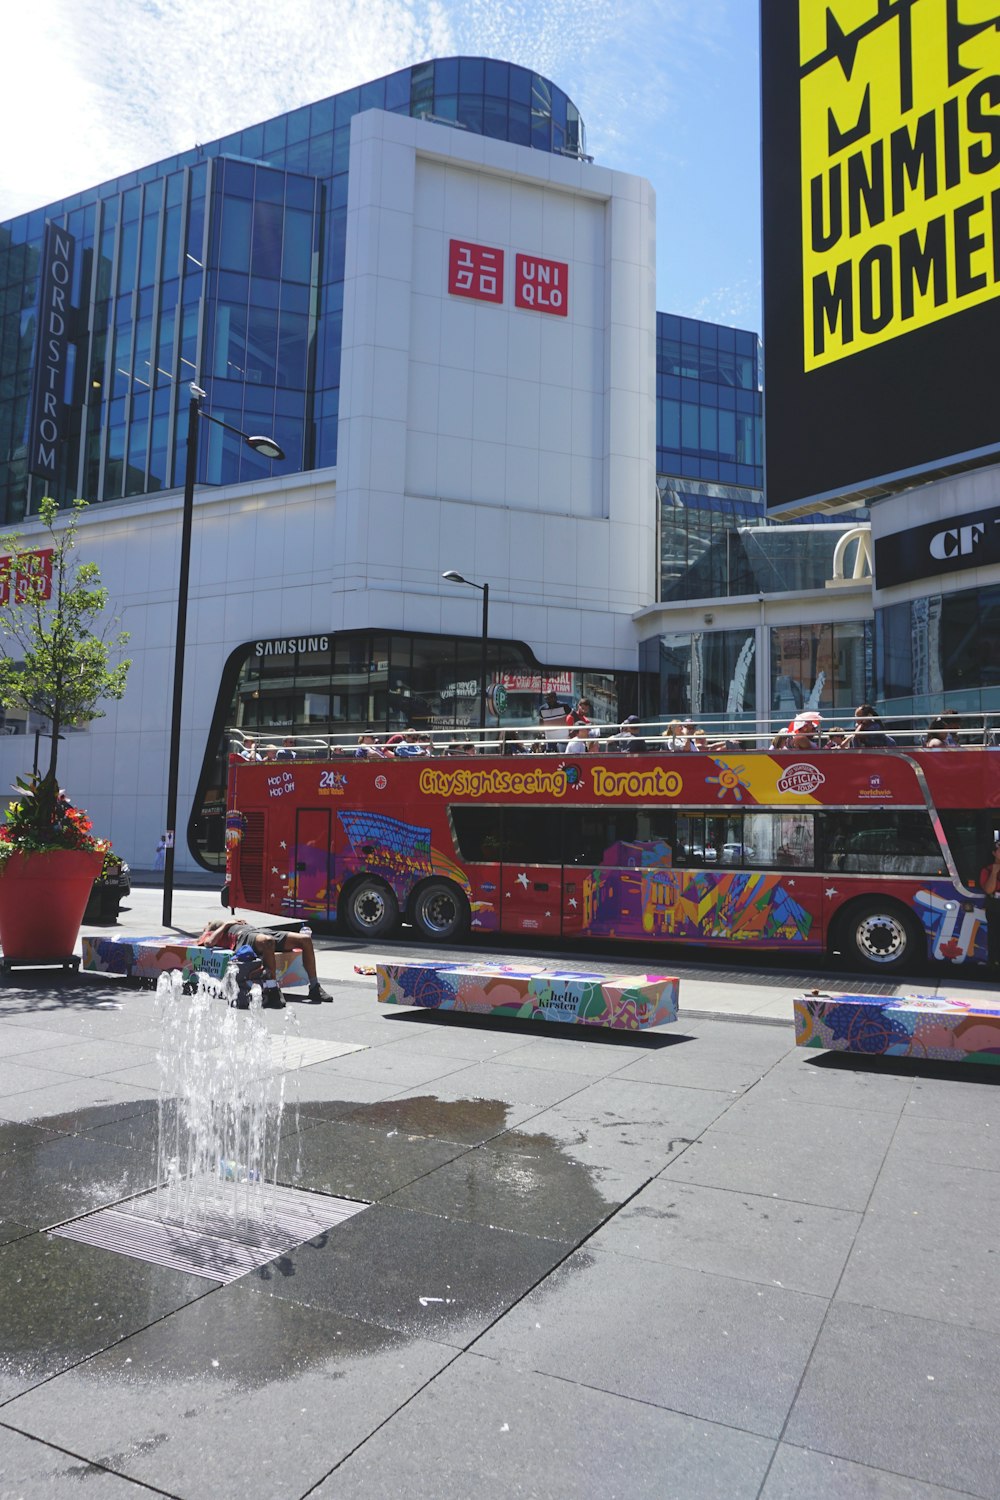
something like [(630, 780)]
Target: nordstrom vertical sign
[(46, 413)]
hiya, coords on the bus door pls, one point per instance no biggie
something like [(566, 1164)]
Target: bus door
[(311, 863), (618, 871), (531, 872)]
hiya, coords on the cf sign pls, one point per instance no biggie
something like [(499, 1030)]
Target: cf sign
[(958, 541)]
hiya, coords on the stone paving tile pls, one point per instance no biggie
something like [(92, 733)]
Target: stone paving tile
[(969, 1095), (523, 1181), (631, 1126), (354, 1161), (88, 1058), (392, 1065), (327, 1095), (799, 1474), (812, 1077), (68, 1176), (909, 1394), (801, 1152), (535, 1436), (236, 1395), (729, 1233), (58, 1099), (506, 1081), (31, 1470), (10, 1230), (709, 1346), (23, 1041), (718, 1055), (467, 1120), (950, 1143), (929, 1242), (413, 1272), (61, 1301), (19, 1077), (24, 1135)]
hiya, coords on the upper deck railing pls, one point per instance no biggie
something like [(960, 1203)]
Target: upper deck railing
[(806, 732)]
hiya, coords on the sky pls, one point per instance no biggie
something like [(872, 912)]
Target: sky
[(667, 89)]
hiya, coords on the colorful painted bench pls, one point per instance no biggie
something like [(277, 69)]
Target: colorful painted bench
[(149, 957), (632, 1003), (925, 1026)]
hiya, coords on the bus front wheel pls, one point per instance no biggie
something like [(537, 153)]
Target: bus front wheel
[(441, 912), (881, 937), (370, 909)]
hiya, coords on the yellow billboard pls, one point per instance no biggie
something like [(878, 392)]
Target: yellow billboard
[(899, 167)]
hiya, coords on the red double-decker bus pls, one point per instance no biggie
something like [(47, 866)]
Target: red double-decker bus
[(873, 854)]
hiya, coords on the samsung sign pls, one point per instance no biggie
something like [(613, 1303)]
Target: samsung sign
[(46, 412), (944, 546)]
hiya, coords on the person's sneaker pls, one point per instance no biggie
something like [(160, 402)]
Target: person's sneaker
[(272, 998), (318, 993)]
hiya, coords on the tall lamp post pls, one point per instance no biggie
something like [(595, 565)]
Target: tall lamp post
[(268, 448), (484, 588)]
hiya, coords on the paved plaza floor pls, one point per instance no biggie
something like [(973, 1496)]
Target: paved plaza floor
[(692, 1264)]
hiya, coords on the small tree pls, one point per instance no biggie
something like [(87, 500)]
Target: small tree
[(55, 653)]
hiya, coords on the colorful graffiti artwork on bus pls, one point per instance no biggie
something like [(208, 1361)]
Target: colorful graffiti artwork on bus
[(957, 931), (693, 904)]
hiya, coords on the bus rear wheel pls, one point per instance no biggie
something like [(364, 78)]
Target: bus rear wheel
[(881, 937), (370, 909), (441, 912)]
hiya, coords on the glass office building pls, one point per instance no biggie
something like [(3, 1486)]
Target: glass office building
[(223, 264), (709, 446)]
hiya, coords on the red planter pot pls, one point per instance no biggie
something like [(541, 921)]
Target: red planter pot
[(42, 901)]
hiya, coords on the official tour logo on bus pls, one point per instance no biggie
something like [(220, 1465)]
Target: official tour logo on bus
[(801, 778)]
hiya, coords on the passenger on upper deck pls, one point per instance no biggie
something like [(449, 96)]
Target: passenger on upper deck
[(368, 748), (869, 731), (941, 732), (628, 739), (672, 737), (552, 717)]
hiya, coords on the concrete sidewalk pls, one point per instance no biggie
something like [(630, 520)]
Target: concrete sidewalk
[(691, 1263)]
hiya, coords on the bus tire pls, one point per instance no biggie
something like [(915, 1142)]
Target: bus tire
[(370, 909), (441, 912), (881, 937)]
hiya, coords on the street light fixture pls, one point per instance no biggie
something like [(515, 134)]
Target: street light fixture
[(484, 588), (267, 448)]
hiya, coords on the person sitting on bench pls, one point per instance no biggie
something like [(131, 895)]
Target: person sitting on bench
[(233, 934)]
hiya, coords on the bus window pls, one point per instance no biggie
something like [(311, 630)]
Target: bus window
[(780, 841), (971, 834), (708, 839), (477, 833), (881, 841), (589, 832), (531, 835)]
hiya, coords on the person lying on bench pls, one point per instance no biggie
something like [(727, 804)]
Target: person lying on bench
[(233, 934)]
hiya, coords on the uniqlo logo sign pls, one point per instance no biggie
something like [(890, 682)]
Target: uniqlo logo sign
[(475, 271), (541, 284), (35, 574)]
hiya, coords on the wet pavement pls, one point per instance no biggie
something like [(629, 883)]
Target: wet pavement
[(693, 1264)]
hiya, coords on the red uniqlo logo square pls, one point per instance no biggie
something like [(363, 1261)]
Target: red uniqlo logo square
[(475, 271), (541, 284)]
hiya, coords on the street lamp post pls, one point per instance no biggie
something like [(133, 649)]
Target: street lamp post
[(484, 588), (268, 448)]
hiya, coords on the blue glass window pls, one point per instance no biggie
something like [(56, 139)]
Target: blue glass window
[(397, 90), (234, 247), (373, 94), (267, 226)]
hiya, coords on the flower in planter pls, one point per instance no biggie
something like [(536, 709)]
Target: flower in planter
[(37, 823)]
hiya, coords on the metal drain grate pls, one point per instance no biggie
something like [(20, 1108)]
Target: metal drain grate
[(212, 1245)]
